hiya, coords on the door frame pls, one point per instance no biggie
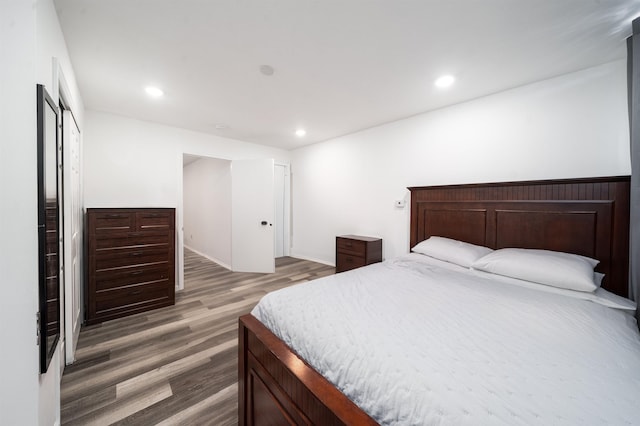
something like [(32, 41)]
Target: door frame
[(63, 94), (287, 207), (180, 209)]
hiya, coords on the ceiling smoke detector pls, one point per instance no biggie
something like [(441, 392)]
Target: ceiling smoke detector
[(266, 70)]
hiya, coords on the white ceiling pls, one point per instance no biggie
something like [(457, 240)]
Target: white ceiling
[(340, 65)]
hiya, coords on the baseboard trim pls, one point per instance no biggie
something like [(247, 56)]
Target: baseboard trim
[(312, 259), (213, 259)]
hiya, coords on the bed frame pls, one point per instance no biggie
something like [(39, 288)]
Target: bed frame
[(583, 216)]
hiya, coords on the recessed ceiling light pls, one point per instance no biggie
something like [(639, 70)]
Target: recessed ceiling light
[(300, 133), (445, 81), (154, 92), (221, 126)]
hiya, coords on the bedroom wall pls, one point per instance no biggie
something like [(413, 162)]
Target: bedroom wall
[(133, 163), (207, 209), (31, 37), (136, 163), (50, 44), (19, 242), (571, 126)]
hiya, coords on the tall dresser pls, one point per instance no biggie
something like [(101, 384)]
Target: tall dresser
[(130, 261)]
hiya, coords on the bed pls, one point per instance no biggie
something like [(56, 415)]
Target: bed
[(587, 217)]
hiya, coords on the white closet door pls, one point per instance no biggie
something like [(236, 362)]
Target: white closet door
[(72, 234), (252, 216)]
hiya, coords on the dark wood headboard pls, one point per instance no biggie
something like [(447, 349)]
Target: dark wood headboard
[(582, 216)]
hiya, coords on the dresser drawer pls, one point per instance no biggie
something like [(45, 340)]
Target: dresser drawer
[(345, 261), (114, 278), (108, 222), (105, 221), (346, 245), (131, 239), (130, 256), (154, 220), (129, 296)]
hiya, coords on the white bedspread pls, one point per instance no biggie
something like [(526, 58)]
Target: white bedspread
[(415, 344)]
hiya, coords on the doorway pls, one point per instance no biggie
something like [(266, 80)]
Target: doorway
[(206, 201), (218, 244)]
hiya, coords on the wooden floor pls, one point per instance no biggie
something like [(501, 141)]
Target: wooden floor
[(175, 365)]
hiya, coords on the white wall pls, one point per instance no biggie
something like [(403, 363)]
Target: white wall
[(50, 44), (136, 163), (31, 37), (574, 125), (19, 242), (207, 209), (133, 163)]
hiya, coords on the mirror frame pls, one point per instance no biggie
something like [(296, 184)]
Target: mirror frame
[(49, 295)]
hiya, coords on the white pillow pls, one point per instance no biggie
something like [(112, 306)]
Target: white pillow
[(600, 296), (557, 269), (452, 251)]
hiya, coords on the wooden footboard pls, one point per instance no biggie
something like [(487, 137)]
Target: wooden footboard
[(276, 387)]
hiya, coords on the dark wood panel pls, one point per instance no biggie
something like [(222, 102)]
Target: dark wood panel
[(131, 258), (154, 219), (130, 239), (346, 262), (110, 221), (350, 245), (265, 409), (128, 296), (459, 223), (123, 277), (568, 231)]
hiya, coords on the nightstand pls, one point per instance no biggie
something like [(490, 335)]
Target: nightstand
[(354, 251)]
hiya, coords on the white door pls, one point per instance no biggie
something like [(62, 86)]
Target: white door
[(72, 234), (279, 177), (252, 216)]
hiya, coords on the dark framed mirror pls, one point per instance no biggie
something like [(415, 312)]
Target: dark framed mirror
[(48, 227)]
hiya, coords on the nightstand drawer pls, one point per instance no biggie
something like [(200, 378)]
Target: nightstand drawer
[(344, 262), (346, 245)]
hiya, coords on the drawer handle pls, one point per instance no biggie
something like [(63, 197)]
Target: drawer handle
[(134, 292), (136, 273), (114, 216), (136, 253), (135, 234), (155, 215)]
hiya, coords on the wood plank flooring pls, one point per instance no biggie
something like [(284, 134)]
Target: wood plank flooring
[(175, 365)]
